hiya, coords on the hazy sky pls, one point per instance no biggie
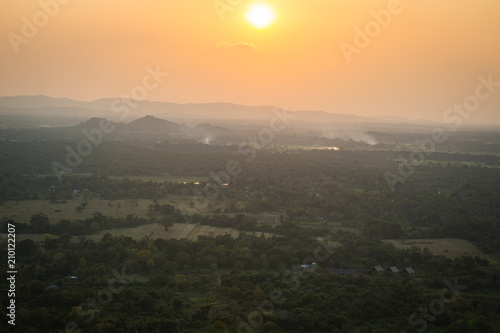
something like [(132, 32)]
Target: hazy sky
[(425, 59)]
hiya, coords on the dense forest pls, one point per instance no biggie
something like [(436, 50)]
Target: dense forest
[(248, 284), (313, 272), (453, 195)]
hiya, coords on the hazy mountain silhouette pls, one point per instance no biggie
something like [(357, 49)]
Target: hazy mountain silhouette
[(153, 124), (148, 124), (112, 109)]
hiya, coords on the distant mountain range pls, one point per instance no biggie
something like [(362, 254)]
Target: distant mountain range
[(121, 111)]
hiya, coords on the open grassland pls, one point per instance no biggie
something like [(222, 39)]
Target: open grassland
[(177, 231), (21, 211), (331, 226), (165, 178), (448, 247), (456, 163), (305, 147), (462, 163), (146, 178)]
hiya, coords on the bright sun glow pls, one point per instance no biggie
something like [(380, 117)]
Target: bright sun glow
[(260, 15)]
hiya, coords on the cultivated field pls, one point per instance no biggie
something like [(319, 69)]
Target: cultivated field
[(177, 231), (331, 226), (21, 211), (448, 247), (164, 178)]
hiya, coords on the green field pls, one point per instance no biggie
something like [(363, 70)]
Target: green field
[(154, 230), (21, 211), (164, 178), (146, 178), (448, 247), (331, 226)]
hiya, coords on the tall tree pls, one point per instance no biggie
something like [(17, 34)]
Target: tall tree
[(40, 223)]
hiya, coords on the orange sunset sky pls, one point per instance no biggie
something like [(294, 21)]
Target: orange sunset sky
[(427, 58)]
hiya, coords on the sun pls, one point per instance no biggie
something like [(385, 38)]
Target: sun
[(260, 15)]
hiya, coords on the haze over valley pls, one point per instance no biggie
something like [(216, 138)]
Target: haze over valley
[(271, 166)]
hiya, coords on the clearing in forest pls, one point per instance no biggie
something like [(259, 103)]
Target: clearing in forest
[(448, 247), (177, 231)]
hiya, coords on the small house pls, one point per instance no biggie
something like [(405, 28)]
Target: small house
[(408, 272), (52, 287), (394, 271), (378, 270), (308, 267)]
